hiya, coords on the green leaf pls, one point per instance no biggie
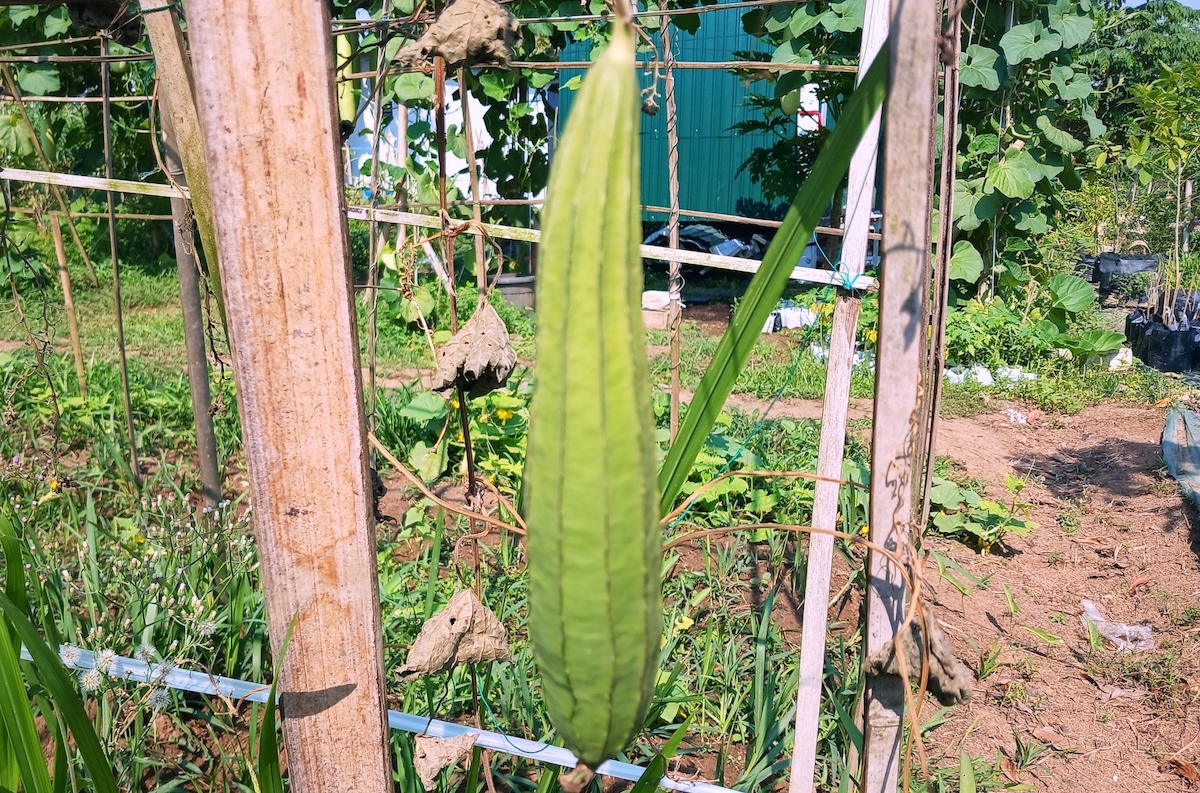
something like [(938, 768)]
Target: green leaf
[(945, 493), (949, 523), (1096, 127), (1071, 85), (425, 406), (766, 287), (974, 203), (1074, 28), (966, 774), (965, 263), (1030, 41), (20, 14), (426, 462), (270, 777), (413, 87), (1061, 139), (65, 697), (1094, 342), (844, 17), (1014, 174), (1070, 293), (57, 22), (497, 85), (1048, 638), (803, 19), (792, 51), (39, 80), (421, 304), (1030, 219), (979, 70)]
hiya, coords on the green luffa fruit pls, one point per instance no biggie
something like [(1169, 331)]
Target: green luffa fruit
[(590, 494)]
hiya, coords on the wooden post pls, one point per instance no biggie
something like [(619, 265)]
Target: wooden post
[(860, 201), (270, 129), (674, 275), (186, 263), (173, 68), (908, 172), (64, 278)]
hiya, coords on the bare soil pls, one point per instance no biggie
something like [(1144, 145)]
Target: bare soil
[(1113, 529)]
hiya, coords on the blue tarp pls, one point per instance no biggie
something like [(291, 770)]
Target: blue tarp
[(1181, 451)]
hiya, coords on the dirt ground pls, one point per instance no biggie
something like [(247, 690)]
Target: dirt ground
[(1113, 529)]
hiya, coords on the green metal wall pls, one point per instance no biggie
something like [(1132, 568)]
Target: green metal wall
[(709, 102)]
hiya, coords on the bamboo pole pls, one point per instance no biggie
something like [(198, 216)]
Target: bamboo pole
[(674, 272), (11, 84), (105, 86), (286, 259), (908, 172), (481, 268), (860, 201), (945, 244), (173, 67), (186, 265), (64, 278)]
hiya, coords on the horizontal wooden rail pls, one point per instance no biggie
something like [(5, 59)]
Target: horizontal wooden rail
[(694, 258)]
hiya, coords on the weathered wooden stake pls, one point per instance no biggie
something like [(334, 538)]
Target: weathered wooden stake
[(64, 278), (173, 67), (908, 172), (267, 111), (860, 201)]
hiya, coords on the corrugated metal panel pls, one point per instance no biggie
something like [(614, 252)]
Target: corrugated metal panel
[(709, 102)]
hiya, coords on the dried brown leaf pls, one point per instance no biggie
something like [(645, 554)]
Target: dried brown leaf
[(1050, 736), (434, 754), (465, 631), (1185, 769)]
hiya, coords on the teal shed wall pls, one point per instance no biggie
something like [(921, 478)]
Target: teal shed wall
[(708, 102)]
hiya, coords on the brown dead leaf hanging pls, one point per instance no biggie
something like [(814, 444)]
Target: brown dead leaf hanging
[(950, 681), (434, 754), (464, 632), (478, 357), (468, 33)]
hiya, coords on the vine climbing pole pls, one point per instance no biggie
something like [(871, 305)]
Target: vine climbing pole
[(860, 199), (675, 276), (904, 280), (270, 128)]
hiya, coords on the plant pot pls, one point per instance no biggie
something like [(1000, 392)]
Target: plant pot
[(518, 290), (1168, 350)]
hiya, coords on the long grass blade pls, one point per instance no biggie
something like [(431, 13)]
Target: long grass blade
[(66, 699), (768, 283), (270, 777), (658, 766), (19, 733)]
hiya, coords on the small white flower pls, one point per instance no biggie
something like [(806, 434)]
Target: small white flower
[(105, 659), (158, 699), (90, 680), (69, 655), (206, 628), (145, 652)]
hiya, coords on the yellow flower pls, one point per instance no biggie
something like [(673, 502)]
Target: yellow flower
[(683, 623), (454, 403), (504, 415), (53, 485)]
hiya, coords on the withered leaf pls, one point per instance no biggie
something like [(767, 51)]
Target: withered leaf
[(468, 33), (1050, 736), (950, 681), (478, 357), (1185, 769), (434, 754), (465, 631)]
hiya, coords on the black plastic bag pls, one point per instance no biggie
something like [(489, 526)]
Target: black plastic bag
[(1168, 350)]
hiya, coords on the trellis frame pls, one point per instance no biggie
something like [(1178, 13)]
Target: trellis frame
[(912, 39)]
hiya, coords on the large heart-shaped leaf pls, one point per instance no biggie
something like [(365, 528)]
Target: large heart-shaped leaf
[(56, 23), (1070, 293), (965, 263), (979, 69), (1031, 41), (844, 17), (1060, 138), (413, 86), (974, 203), (1015, 173), (1074, 28), (39, 80), (1094, 342), (1071, 85), (1030, 218), (1096, 127)]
